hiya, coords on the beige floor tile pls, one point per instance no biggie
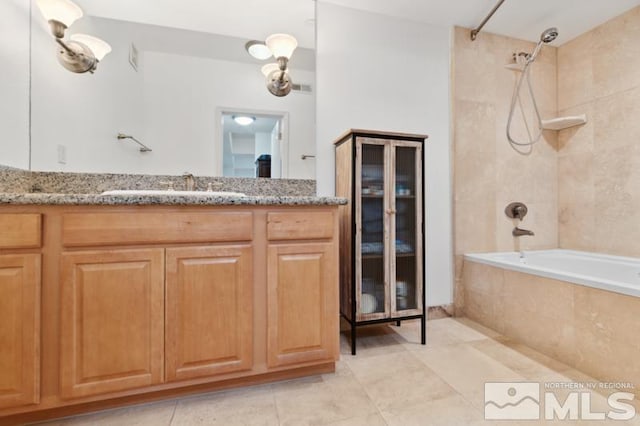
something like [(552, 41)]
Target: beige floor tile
[(445, 331), (371, 341), (397, 380), (536, 356), (466, 369), (252, 406), (450, 411), (370, 420), (492, 334), (310, 403), (441, 383), (521, 364), (156, 414)]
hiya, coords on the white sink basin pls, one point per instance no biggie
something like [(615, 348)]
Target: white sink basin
[(134, 192)]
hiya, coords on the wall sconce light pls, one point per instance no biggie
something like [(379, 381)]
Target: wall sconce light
[(83, 52), (278, 80)]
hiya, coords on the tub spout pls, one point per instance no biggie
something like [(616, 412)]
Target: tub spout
[(518, 232)]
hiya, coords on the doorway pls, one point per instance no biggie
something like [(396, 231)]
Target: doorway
[(253, 144)]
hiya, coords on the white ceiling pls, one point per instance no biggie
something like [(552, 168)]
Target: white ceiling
[(256, 19), (248, 19), (523, 19)]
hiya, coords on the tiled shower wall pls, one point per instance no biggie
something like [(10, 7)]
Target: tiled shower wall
[(488, 173), (599, 163)]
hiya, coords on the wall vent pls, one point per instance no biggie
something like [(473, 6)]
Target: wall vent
[(302, 88)]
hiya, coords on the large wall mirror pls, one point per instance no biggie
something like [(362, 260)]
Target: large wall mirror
[(177, 75)]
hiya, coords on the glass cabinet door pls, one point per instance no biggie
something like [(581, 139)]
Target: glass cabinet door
[(406, 202), (372, 297)]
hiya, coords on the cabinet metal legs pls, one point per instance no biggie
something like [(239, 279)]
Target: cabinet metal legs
[(423, 329), (353, 339)]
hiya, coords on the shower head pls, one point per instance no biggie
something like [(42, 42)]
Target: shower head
[(549, 35)]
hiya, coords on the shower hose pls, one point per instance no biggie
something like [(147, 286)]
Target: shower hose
[(515, 99)]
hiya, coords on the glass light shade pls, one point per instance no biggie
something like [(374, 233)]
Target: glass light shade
[(64, 11), (99, 47), (243, 120), (269, 68), (281, 45), (258, 50)]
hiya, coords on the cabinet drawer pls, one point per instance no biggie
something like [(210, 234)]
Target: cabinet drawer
[(22, 230), (300, 225), (86, 229)]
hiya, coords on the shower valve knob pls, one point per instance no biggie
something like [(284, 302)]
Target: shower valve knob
[(516, 210)]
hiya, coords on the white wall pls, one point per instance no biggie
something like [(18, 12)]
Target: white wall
[(84, 112), (14, 84), (169, 104), (182, 95), (382, 73)]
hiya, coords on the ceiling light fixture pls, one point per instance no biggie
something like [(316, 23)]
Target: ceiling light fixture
[(258, 49), (83, 52), (281, 46), (243, 120)]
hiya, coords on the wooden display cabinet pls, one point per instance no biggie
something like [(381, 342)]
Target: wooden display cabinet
[(382, 228)]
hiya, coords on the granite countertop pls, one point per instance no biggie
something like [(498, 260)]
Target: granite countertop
[(172, 199)]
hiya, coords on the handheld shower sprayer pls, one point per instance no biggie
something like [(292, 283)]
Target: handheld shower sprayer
[(547, 36)]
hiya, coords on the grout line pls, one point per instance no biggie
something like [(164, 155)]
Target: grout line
[(175, 407)]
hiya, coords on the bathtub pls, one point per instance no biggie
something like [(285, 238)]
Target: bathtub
[(612, 273), (580, 308)]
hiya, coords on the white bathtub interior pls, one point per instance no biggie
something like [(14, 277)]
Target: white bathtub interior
[(606, 272)]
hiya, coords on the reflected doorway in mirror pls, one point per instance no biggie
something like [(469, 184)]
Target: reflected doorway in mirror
[(252, 143)]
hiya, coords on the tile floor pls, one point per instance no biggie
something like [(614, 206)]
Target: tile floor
[(392, 381)]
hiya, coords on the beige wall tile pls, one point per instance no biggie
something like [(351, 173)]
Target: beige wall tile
[(475, 171), (475, 226), (616, 54), (488, 172), (575, 72), (475, 125), (578, 139), (577, 220)]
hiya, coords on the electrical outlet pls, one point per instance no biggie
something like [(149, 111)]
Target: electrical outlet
[(62, 154)]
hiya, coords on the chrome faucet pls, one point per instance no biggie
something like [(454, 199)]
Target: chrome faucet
[(518, 232), (189, 181)]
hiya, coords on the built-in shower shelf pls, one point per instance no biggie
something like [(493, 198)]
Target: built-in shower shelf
[(562, 123), (515, 67)]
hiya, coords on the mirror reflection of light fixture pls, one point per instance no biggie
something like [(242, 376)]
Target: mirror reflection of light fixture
[(243, 120), (268, 68), (258, 49), (82, 52), (281, 46)]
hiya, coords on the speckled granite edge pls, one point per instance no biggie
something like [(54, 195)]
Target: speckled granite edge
[(14, 180), (21, 181), (172, 200), (95, 183)]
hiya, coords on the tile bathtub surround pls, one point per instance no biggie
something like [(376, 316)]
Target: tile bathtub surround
[(592, 330), (488, 173), (599, 201), (392, 381), (95, 183)]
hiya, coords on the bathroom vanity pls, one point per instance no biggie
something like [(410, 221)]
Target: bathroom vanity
[(107, 301)]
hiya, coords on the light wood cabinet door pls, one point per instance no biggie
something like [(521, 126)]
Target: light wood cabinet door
[(209, 311), (112, 321), (19, 330), (302, 303)]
